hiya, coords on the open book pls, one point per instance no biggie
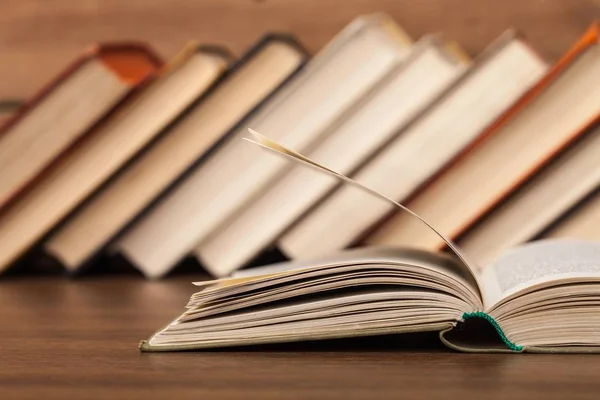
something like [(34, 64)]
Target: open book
[(540, 297)]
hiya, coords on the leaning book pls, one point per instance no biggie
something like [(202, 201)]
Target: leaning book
[(540, 297)]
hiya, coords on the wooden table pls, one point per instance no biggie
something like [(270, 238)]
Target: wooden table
[(78, 339)]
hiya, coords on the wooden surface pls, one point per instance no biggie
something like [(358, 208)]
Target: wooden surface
[(40, 36), (78, 339)]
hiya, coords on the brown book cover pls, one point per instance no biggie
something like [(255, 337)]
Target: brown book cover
[(131, 63), (590, 38)]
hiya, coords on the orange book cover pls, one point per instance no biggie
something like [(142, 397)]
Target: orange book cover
[(132, 63)]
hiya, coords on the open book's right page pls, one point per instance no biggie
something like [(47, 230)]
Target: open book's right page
[(537, 264), (542, 297)]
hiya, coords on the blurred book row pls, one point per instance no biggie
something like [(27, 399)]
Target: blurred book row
[(124, 155)]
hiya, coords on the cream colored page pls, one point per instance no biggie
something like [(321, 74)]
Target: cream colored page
[(398, 99), (385, 257), (222, 184), (538, 263)]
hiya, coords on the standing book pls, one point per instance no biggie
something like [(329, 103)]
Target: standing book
[(551, 116), (322, 94), (377, 291), (404, 93), (186, 142), (66, 108), (422, 149), (105, 149), (557, 187)]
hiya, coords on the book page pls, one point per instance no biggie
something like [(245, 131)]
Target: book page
[(442, 263), (539, 263), (266, 143)]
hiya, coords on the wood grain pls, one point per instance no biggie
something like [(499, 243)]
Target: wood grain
[(40, 36), (78, 339)]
